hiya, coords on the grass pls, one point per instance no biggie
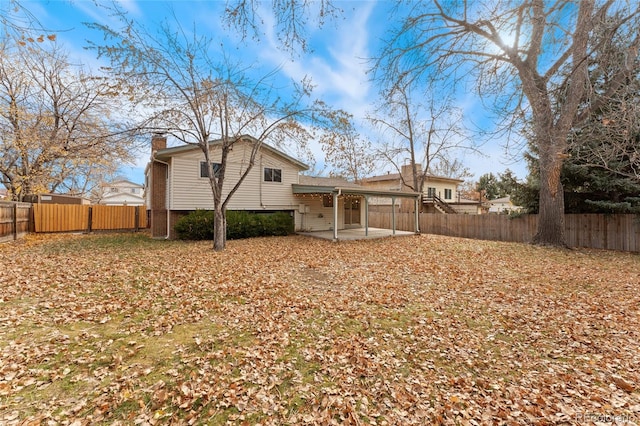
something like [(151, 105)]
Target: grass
[(121, 328)]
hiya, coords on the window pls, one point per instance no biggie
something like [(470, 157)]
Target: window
[(134, 190), (272, 175), (431, 192), (447, 194), (112, 189), (214, 166), (327, 200)]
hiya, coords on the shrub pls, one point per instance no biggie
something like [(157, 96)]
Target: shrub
[(198, 225)]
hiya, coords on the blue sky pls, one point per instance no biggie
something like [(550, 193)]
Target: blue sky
[(337, 63)]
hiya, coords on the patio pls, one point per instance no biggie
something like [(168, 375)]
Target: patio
[(357, 234)]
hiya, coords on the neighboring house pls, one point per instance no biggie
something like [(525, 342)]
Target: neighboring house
[(503, 205), (122, 192), (439, 194), (177, 183)]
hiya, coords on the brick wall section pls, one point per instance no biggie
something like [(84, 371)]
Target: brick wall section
[(174, 216), (158, 187)]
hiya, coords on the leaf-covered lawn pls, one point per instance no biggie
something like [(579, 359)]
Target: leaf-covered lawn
[(417, 330)]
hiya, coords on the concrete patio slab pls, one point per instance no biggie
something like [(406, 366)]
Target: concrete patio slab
[(357, 234)]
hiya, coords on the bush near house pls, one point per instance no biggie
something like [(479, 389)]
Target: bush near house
[(198, 225)]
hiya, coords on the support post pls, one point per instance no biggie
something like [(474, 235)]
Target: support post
[(366, 216), (417, 214), (393, 215), (335, 216)]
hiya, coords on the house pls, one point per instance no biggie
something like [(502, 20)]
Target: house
[(503, 205), (122, 192), (440, 194), (177, 183)]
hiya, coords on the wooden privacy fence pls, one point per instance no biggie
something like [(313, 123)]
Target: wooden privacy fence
[(68, 218), (612, 232), (14, 220)]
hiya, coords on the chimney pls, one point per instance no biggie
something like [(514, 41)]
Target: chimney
[(407, 173), (158, 142)]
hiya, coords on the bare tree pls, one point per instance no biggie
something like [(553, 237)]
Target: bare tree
[(291, 18), (56, 128), (18, 22), (422, 134), (197, 100), (451, 168), (349, 155), (531, 60)]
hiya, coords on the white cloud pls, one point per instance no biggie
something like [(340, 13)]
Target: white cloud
[(338, 68), (131, 7)]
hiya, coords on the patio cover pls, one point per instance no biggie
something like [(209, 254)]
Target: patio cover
[(338, 191)]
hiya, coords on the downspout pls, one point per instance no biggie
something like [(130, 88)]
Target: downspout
[(260, 179)]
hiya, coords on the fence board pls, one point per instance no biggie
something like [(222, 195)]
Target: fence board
[(14, 220), (113, 217), (613, 232), (60, 217), (70, 218)]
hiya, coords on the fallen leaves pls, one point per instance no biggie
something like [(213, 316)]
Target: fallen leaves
[(417, 330)]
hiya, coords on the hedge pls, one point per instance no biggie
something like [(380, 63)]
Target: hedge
[(198, 225)]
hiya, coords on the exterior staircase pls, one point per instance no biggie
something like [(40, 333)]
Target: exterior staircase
[(441, 205)]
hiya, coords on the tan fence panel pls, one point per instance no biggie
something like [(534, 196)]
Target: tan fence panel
[(60, 217), (613, 232), (142, 217), (67, 217), (113, 217)]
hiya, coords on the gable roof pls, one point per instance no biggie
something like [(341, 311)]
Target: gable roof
[(170, 152), (122, 195), (396, 176), (122, 181), (327, 181), (331, 185)]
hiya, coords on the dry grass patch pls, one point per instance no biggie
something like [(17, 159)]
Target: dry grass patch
[(106, 329)]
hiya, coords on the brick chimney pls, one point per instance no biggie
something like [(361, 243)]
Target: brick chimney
[(158, 189), (158, 142), (407, 175)]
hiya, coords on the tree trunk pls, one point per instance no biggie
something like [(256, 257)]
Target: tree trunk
[(550, 231), (219, 229)]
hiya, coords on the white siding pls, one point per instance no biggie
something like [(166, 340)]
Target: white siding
[(188, 191), (440, 187), (123, 199), (319, 218)]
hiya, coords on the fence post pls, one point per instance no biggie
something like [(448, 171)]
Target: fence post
[(32, 218), (15, 221)]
